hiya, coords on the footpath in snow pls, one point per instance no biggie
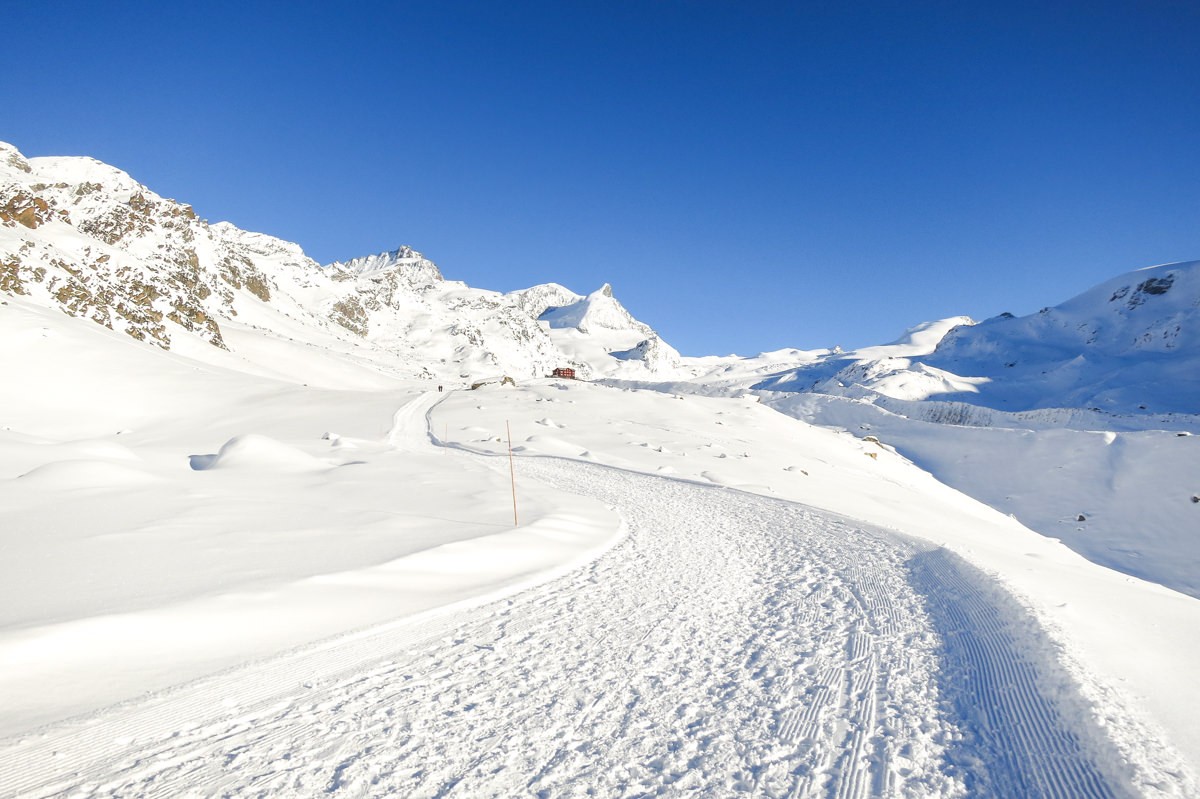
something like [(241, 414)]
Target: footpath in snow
[(731, 643)]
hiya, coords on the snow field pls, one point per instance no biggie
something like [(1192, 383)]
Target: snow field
[(1133, 487), (115, 587), (730, 644), (206, 569)]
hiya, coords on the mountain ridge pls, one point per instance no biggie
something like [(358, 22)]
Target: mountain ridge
[(87, 238), (1129, 345)]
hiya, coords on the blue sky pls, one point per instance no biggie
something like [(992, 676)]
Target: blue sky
[(748, 176)]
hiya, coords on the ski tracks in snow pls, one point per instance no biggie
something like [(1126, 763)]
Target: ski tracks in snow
[(731, 644)]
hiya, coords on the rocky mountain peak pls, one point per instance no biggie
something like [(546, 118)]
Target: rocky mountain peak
[(600, 310), (410, 265), (89, 239)]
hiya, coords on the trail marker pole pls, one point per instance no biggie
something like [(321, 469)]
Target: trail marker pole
[(512, 472)]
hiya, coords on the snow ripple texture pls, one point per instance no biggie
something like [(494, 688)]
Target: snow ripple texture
[(732, 644)]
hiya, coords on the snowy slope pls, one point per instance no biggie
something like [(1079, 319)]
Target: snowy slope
[(1133, 488), (1130, 344), (163, 518), (770, 588), (1117, 624)]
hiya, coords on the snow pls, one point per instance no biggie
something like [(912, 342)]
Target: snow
[(328, 512), (1127, 346), (1133, 487), (771, 650), (743, 444), (228, 524), (289, 564), (730, 631)]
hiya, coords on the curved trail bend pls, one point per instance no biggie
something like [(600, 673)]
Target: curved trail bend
[(731, 644)]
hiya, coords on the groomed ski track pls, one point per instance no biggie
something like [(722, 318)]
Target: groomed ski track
[(730, 644)]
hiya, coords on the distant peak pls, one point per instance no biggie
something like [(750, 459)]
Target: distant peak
[(404, 252), (600, 309), (416, 267), (12, 157)]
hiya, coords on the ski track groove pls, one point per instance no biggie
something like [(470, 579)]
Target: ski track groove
[(731, 644), (1019, 744)]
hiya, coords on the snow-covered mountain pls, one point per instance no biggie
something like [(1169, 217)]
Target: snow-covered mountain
[(1130, 345), (596, 326), (87, 238)]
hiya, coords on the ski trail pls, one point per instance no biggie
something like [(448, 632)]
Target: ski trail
[(1015, 742), (410, 424), (731, 644)]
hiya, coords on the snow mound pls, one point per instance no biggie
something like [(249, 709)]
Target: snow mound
[(85, 474), (99, 449), (260, 453)]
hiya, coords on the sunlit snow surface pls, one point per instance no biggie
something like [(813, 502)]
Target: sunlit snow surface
[(746, 603)]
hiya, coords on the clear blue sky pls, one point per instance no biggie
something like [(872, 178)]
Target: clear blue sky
[(747, 175)]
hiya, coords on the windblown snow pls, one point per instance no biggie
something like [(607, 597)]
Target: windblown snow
[(262, 533)]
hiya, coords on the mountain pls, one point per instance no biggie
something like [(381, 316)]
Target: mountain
[(1128, 346), (1131, 344), (218, 479), (598, 330), (86, 238)]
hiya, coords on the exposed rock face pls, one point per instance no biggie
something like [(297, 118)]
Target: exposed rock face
[(88, 239), (103, 247)]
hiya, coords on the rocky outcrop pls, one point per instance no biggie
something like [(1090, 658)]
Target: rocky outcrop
[(102, 247)]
